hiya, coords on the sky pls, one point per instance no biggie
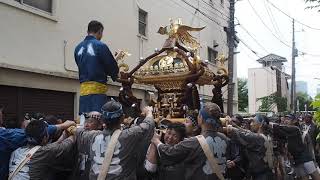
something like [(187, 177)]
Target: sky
[(307, 39)]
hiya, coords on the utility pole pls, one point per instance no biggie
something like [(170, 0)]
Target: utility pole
[(231, 38), (293, 71)]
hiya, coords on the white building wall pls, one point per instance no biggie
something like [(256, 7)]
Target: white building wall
[(38, 42), (285, 89), (261, 82)]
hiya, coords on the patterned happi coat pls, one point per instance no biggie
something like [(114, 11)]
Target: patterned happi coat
[(191, 154), (93, 144), (95, 62)]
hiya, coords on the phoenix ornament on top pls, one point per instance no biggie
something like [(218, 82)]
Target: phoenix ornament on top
[(176, 30)]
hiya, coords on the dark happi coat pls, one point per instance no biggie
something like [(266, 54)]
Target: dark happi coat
[(191, 154), (124, 161)]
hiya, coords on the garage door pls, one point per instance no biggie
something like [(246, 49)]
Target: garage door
[(18, 101)]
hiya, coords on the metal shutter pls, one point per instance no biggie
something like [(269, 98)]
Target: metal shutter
[(18, 101), (9, 99)]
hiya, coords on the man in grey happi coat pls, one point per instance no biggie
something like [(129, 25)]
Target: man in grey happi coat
[(189, 151), (258, 146), (124, 159)]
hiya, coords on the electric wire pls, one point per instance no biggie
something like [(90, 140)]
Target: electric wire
[(211, 11), (280, 40), (253, 38), (273, 21), (298, 21), (201, 12), (248, 47), (205, 15), (211, 5), (268, 28)]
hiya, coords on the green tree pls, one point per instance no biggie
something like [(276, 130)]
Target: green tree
[(268, 102), (242, 94), (304, 99), (313, 4), (316, 106)]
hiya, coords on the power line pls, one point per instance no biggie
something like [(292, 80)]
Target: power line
[(245, 50), (211, 5), (266, 69), (208, 17), (253, 38), (193, 13), (269, 15), (273, 21), (248, 47), (301, 52), (220, 31), (211, 19), (223, 11), (280, 40), (216, 14), (267, 25), (292, 17), (201, 12)]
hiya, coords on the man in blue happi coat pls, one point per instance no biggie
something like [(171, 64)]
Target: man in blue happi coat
[(95, 62)]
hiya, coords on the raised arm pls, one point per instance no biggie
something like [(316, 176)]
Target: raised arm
[(174, 154), (65, 125), (144, 129), (151, 159), (244, 137), (285, 130)]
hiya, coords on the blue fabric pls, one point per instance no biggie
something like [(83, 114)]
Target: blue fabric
[(208, 119), (10, 140), (259, 119), (112, 116), (95, 61), (92, 102), (52, 129)]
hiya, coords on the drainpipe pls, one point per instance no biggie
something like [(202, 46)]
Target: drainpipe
[(64, 58)]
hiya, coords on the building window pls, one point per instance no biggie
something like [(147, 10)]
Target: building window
[(142, 22), (212, 55), (44, 5)]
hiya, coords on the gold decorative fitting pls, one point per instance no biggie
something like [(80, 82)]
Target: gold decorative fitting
[(120, 55), (176, 30), (174, 66)]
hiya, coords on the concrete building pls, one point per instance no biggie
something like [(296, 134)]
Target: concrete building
[(301, 86), (38, 40), (272, 60), (267, 80)]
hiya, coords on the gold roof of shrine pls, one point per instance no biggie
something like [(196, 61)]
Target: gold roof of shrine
[(178, 63)]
